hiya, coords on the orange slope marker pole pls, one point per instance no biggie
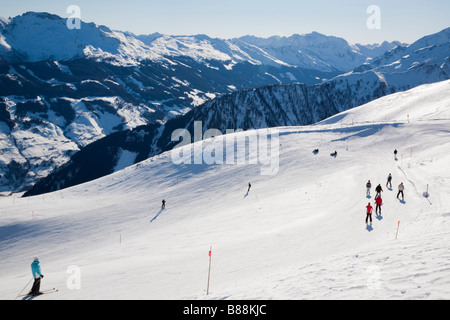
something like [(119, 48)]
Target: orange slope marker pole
[(209, 270), (398, 226)]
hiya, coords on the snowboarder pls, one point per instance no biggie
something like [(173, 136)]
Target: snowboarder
[(37, 275), (316, 151), (368, 186), (333, 154), (163, 206), (249, 186), (401, 188), (369, 213), (378, 202), (395, 154), (389, 181), (378, 189)]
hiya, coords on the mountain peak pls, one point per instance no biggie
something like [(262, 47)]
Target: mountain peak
[(39, 36), (438, 38), (41, 15)]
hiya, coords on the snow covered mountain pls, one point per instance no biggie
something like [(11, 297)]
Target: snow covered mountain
[(40, 36), (65, 105), (310, 51), (268, 106), (428, 57), (62, 89), (298, 234), (375, 50), (314, 50)]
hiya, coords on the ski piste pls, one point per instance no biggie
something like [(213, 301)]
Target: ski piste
[(53, 290)]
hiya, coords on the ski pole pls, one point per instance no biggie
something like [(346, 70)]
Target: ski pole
[(24, 288)]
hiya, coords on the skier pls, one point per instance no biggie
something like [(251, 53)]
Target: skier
[(378, 189), (163, 206), (36, 272), (378, 202), (369, 213), (368, 186), (395, 154), (389, 181), (249, 186), (401, 188), (333, 154)]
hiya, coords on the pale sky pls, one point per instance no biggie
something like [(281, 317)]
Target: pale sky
[(402, 20)]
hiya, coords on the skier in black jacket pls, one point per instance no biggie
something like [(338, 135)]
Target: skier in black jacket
[(378, 189), (389, 181)]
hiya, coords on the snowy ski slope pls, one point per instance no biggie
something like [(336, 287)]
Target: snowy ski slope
[(298, 234)]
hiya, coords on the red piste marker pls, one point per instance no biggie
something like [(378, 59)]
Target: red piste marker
[(209, 270)]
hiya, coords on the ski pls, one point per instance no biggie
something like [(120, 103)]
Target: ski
[(50, 290), (53, 290)]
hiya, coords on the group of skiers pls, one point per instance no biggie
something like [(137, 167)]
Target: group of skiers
[(36, 269), (378, 199)]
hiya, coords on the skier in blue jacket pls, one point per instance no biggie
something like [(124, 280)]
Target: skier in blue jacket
[(37, 275)]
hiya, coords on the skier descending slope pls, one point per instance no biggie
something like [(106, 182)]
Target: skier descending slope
[(379, 190), (389, 181), (369, 213), (368, 186), (36, 272), (163, 205), (378, 202), (401, 188)]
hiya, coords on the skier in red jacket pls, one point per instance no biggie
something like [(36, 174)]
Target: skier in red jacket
[(369, 213), (378, 202)]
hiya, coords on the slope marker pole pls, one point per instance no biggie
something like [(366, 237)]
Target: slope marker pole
[(398, 226), (209, 270)]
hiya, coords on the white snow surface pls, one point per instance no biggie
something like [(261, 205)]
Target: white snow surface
[(299, 234)]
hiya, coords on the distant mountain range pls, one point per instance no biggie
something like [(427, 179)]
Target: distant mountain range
[(34, 37), (62, 91)]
